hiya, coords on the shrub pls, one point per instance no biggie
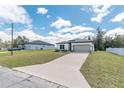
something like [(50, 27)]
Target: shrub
[(57, 50), (64, 50)]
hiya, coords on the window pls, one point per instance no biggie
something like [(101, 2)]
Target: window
[(62, 47)]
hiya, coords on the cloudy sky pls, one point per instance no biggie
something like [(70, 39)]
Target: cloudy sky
[(59, 23)]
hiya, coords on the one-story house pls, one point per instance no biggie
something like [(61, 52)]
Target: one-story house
[(37, 45), (77, 45)]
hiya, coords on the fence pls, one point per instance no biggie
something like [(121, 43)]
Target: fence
[(119, 51)]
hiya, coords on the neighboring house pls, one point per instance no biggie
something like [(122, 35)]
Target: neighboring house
[(37, 45), (77, 45)]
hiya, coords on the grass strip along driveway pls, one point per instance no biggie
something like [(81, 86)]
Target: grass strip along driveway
[(105, 70), (28, 57)]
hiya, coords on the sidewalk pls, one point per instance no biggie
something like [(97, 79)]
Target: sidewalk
[(14, 79)]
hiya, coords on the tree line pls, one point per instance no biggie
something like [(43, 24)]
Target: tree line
[(20, 40), (102, 42)]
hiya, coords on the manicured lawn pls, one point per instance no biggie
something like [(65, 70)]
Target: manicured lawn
[(103, 69), (24, 58)]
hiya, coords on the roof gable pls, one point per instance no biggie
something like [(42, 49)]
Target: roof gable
[(39, 42)]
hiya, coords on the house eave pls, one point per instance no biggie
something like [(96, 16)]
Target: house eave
[(39, 44), (88, 41)]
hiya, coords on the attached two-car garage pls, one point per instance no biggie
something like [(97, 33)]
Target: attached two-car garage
[(81, 48)]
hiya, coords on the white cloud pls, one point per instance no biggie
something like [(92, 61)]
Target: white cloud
[(42, 10), (51, 33), (1, 24), (59, 23), (100, 12), (31, 35), (71, 33), (53, 37), (48, 16), (85, 8), (116, 31), (4, 36), (27, 32), (43, 28), (16, 14), (57, 37), (75, 29), (118, 18)]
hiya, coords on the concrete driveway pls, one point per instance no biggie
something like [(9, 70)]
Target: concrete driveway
[(64, 70)]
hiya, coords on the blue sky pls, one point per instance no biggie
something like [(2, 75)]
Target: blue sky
[(75, 14), (60, 22)]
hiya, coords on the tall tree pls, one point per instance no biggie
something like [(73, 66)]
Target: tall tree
[(108, 42), (20, 41), (119, 41), (99, 40)]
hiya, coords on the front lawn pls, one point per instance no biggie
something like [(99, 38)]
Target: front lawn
[(26, 57), (103, 69)]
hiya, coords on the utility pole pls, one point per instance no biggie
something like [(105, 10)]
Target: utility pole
[(12, 40)]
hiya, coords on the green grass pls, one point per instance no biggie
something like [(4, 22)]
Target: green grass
[(105, 70), (24, 58)]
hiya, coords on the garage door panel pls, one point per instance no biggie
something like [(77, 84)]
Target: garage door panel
[(81, 48)]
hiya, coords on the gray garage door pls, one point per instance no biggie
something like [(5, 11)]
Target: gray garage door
[(81, 48)]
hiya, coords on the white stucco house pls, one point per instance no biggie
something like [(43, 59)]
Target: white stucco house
[(37, 45), (77, 45)]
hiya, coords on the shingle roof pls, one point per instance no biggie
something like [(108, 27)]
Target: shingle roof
[(38, 42), (75, 41), (64, 42)]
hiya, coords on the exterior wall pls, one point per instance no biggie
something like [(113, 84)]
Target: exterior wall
[(20, 46), (3, 48), (119, 51), (72, 44), (66, 46), (91, 44), (93, 47), (37, 47)]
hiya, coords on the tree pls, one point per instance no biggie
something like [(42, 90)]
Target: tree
[(108, 42), (118, 41), (25, 40), (99, 40), (20, 41), (6, 44), (0, 44)]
